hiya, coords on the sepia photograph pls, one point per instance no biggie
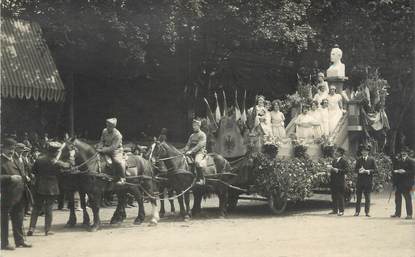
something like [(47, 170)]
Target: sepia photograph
[(207, 128)]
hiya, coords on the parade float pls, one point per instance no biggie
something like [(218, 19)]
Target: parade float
[(278, 170)]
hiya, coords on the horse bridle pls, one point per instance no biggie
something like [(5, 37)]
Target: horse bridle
[(92, 158), (167, 158)]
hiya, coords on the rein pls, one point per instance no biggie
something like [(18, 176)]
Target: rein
[(85, 162), (172, 157)]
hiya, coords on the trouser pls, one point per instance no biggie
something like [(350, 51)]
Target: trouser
[(16, 214), (200, 164), (41, 201), (366, 192), (337, 197), (118, 165), (398, 201)]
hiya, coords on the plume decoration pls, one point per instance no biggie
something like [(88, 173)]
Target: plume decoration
[(218, 116), (210, 119), (225, 105), (243, 114), (237, 110)]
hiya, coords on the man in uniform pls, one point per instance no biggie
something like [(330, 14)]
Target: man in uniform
[(338, 170), (365, 168), (21, 159), (12, 197), (196, 147), (403, 180), (46, 170), (111, 145)]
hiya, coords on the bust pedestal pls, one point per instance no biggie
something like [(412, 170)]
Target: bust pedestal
[(337, 82)]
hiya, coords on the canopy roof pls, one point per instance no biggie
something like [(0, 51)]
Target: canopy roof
[(27, 68)]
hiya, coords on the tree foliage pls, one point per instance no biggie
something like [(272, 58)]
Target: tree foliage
[(200, 46)]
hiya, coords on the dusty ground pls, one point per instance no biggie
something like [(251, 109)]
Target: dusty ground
[(305, 230)]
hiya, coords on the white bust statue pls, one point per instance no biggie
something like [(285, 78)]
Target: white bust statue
[(337, 68)]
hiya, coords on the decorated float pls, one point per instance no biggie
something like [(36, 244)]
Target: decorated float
[(290, 165)]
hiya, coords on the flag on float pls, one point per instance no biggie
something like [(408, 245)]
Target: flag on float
[(237, 110), (225, 105), (210, 119), (217, 111), (243, 114)]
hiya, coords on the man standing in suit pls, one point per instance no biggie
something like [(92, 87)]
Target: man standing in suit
[(338, 170), (46, 170), (365, 168), (12, 197), (403, 180)]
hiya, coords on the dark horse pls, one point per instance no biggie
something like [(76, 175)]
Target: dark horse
[(91, 179), (181, 178)]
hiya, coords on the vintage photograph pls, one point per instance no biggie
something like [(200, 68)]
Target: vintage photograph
[(207, 128)]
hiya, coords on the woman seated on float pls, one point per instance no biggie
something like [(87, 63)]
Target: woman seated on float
[(305, 124)]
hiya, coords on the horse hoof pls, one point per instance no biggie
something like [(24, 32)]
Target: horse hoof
[(138, 222), (116, 222), (222, 217), (161, 214), (186, 218), (70, 225), (86, 225), (153, 222), (93, 229)]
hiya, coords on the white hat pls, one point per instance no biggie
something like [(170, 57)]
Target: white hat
[(112, 121), (332, 87)]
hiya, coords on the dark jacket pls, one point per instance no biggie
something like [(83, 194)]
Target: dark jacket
[(337, 179), (46, 172), (404, 181), (11, 192), (364, 180)]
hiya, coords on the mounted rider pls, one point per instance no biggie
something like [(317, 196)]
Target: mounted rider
[(196, 147), (111, 145)]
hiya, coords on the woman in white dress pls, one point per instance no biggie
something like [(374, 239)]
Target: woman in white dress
[(335, 108), (277, 121), (304, 125), (315, 114), (324, 117), (322, 88)]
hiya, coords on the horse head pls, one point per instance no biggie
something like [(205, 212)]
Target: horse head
[(83, 154), (171, 156)]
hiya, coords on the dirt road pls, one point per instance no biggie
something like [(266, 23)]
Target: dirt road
[(305, 230)]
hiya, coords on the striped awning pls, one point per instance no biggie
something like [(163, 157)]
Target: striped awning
[(27, 68)]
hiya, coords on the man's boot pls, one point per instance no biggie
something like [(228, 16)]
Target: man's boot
[(200, 178)]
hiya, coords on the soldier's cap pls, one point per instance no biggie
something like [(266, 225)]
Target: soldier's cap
[(332, 87), (22, 147), (9, 142), (54, 146), (112, 121), (198, 122)]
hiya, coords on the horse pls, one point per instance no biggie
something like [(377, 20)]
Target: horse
[(181, 178), (91, 180)]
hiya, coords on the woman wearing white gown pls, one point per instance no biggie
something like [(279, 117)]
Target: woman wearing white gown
[(335, 108), (315, 114), (324, 117), (277, 121), (304, 125)]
